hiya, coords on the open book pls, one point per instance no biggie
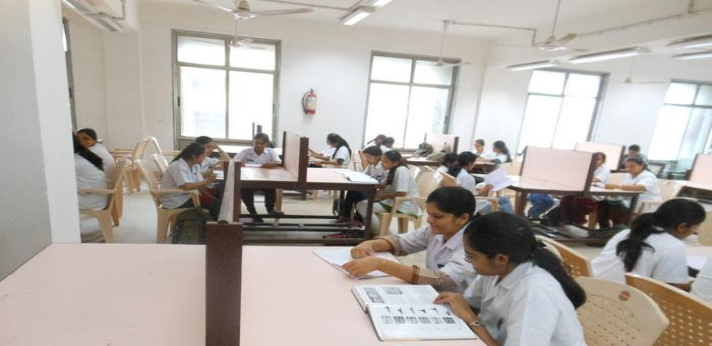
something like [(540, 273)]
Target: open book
[(357, 177), (339, 257), (407, 312)]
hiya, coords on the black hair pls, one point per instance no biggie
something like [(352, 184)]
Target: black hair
[(637, 159), (480, 142), (453, 200), (465, 158), (94, 159), (89, 132), (340, 142), (669, 215), (373, 150), (601, 154), (448, 159), (204, 140), (388, 141), (394, 156), (503, 147), (634, 147), (510, 235), (380, 137), (263, 136), (193, 149)]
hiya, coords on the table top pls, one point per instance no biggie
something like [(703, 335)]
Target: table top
[(696, 185), (141, 294), (277, 174), (330, 176), (234, 149)]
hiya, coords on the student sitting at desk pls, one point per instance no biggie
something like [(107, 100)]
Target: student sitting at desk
[(210, 147), (633, 151), (523, 291), (482, 153), (653, 246), (387, 144), (260, 154), (338, 153), (448, 160), (184, 173), (637, 179), (501, 153), (574, 209), (375, 170), (449, 212), (90, 175), (460, 170), (376, 142), (90, 141), (398, 183)]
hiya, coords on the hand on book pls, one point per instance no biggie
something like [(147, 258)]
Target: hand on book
[(362, 250), (458, 305), (363, 266)]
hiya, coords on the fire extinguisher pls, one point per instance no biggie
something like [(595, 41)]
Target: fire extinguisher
[(309, 102)]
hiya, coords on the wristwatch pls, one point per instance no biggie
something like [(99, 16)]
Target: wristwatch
[(474, 324)]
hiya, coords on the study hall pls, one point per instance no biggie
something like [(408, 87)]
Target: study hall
[(313, 172)]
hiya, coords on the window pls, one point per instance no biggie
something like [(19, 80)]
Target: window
[(407, 98), (561, 108), (223, 91), (684, 124)]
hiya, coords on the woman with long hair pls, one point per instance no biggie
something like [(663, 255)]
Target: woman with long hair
[(338, 153), (89, 170), (184, 173)]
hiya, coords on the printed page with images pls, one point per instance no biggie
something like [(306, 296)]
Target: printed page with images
[(417, 322)]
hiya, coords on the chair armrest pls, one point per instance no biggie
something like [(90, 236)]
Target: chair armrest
[(195, 194), (647, 205), (170, 152), (95, 191), (399, 200)]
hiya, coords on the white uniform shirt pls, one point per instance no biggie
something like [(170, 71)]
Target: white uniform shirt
[(466, 181), (501, 157), (702, 287), (447, 257), (442, 169), (89, 177), (106, 159), (342, 154), (177, 174), (385, 149), (649, 181), (403, 182), (528, 307), (328, 151), (485, 154), (249, 156), (602, 173), (375, 171), (666, 262), (209, 162)]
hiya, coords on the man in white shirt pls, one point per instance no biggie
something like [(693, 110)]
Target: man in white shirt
[(89, 140), (264, 157)]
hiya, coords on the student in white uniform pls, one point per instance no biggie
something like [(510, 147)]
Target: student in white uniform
[(524, 294), (448, 161), (398, 183), (184, 173), (637, 179), (90, 141), (460, 170), (260, 154), (653, 246), (702, 287), (90, 175), (210, 147), (387, 144), (501, 152), (449, 211), (375, 142), (338, 153), (372, 156), (574, 209), (482, 153)]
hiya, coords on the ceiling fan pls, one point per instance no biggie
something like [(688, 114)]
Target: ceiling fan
[(553, 43), (629, 79), (441, 60), (242, 10)]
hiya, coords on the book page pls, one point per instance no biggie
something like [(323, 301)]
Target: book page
[(395, 294), (417, 322), (498, 179), (339, 257), (354, 176)]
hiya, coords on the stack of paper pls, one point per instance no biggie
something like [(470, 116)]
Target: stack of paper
[(339, 257)]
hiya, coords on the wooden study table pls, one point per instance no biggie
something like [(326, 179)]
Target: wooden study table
[(136, 294), (421, 161)]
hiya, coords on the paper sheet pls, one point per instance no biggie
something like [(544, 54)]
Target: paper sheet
[(498, 179), (339, 257), (696, 262)]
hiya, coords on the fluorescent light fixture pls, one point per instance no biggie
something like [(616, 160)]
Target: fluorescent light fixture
[(695, 42), (381, 3), (613, 54), (357, 15), (532, 65), (691, 56)]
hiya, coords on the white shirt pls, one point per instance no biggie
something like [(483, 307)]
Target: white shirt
[(403, 182), (485, 154), (328, 151), (466, 181), (649, 181), (447, 257), (177, 174), (89, 177), (501, 157), (602, 173), (702, 287), (385, 149), (342, 154), (528, 307), (106, 159), (249, 155), (442, 169), (375, 171), (666, 262)]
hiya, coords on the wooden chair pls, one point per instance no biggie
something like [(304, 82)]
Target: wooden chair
[(690, 317), (428, 182), (165, 216), (108, 214), (577, 264), (618, 314)]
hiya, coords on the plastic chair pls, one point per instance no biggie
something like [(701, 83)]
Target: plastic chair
[(108, 214), (618, 314), (668, 190), (414, 171), (448, 180), (428, 169), (690, 317), (161, 163), (704, 233), (133, 177), (577, 264), (165, 216), (428, 182)]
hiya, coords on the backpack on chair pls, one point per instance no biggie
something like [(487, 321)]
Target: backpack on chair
[(190, 226)]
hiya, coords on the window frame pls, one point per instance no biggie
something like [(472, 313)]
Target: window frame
[(593, 126), (180, 140), (70, 72), (452, 87)]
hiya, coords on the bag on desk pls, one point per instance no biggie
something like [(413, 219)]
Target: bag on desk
[(190, 226), (424, 149)]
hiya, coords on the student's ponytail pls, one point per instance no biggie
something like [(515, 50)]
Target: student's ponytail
[(464, 159), (193, 149), (394, 156), (669, 216), (510, 235), (87, 154), (340, 142)]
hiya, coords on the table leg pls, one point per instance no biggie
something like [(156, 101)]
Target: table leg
[(631, 210), (369, 214), (521, 203)]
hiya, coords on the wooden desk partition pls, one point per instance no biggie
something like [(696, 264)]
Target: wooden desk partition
[(296, 158), (702, 169), (614, 152), (438, 141), (568, 169)]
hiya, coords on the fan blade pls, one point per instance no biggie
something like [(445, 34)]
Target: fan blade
[(216, 6), (281, 12)]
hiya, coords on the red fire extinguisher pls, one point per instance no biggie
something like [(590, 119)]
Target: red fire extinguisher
[(309, 102)]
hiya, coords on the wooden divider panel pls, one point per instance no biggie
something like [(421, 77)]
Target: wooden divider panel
[(614, 152)]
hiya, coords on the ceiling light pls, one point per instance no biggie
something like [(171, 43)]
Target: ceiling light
[(532, 65), (381, 3), (357, 15), (613, 54), (691, 56), (695, 42)]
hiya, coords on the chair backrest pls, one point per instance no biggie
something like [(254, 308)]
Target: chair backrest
[(548, 246), (115, 182), (414, 171), (161, 162), (656, 168), (616, 178), (428, 169), (690, 317), (617, 314), (139, 149), (152, 140), (428, 182), (513, 168), (704, 233), (669, 188), (359, 161), (577, 264), (448, 180), (151, 180)]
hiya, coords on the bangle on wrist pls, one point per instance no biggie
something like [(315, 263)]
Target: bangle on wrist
[(476, 323), (383, 264)]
